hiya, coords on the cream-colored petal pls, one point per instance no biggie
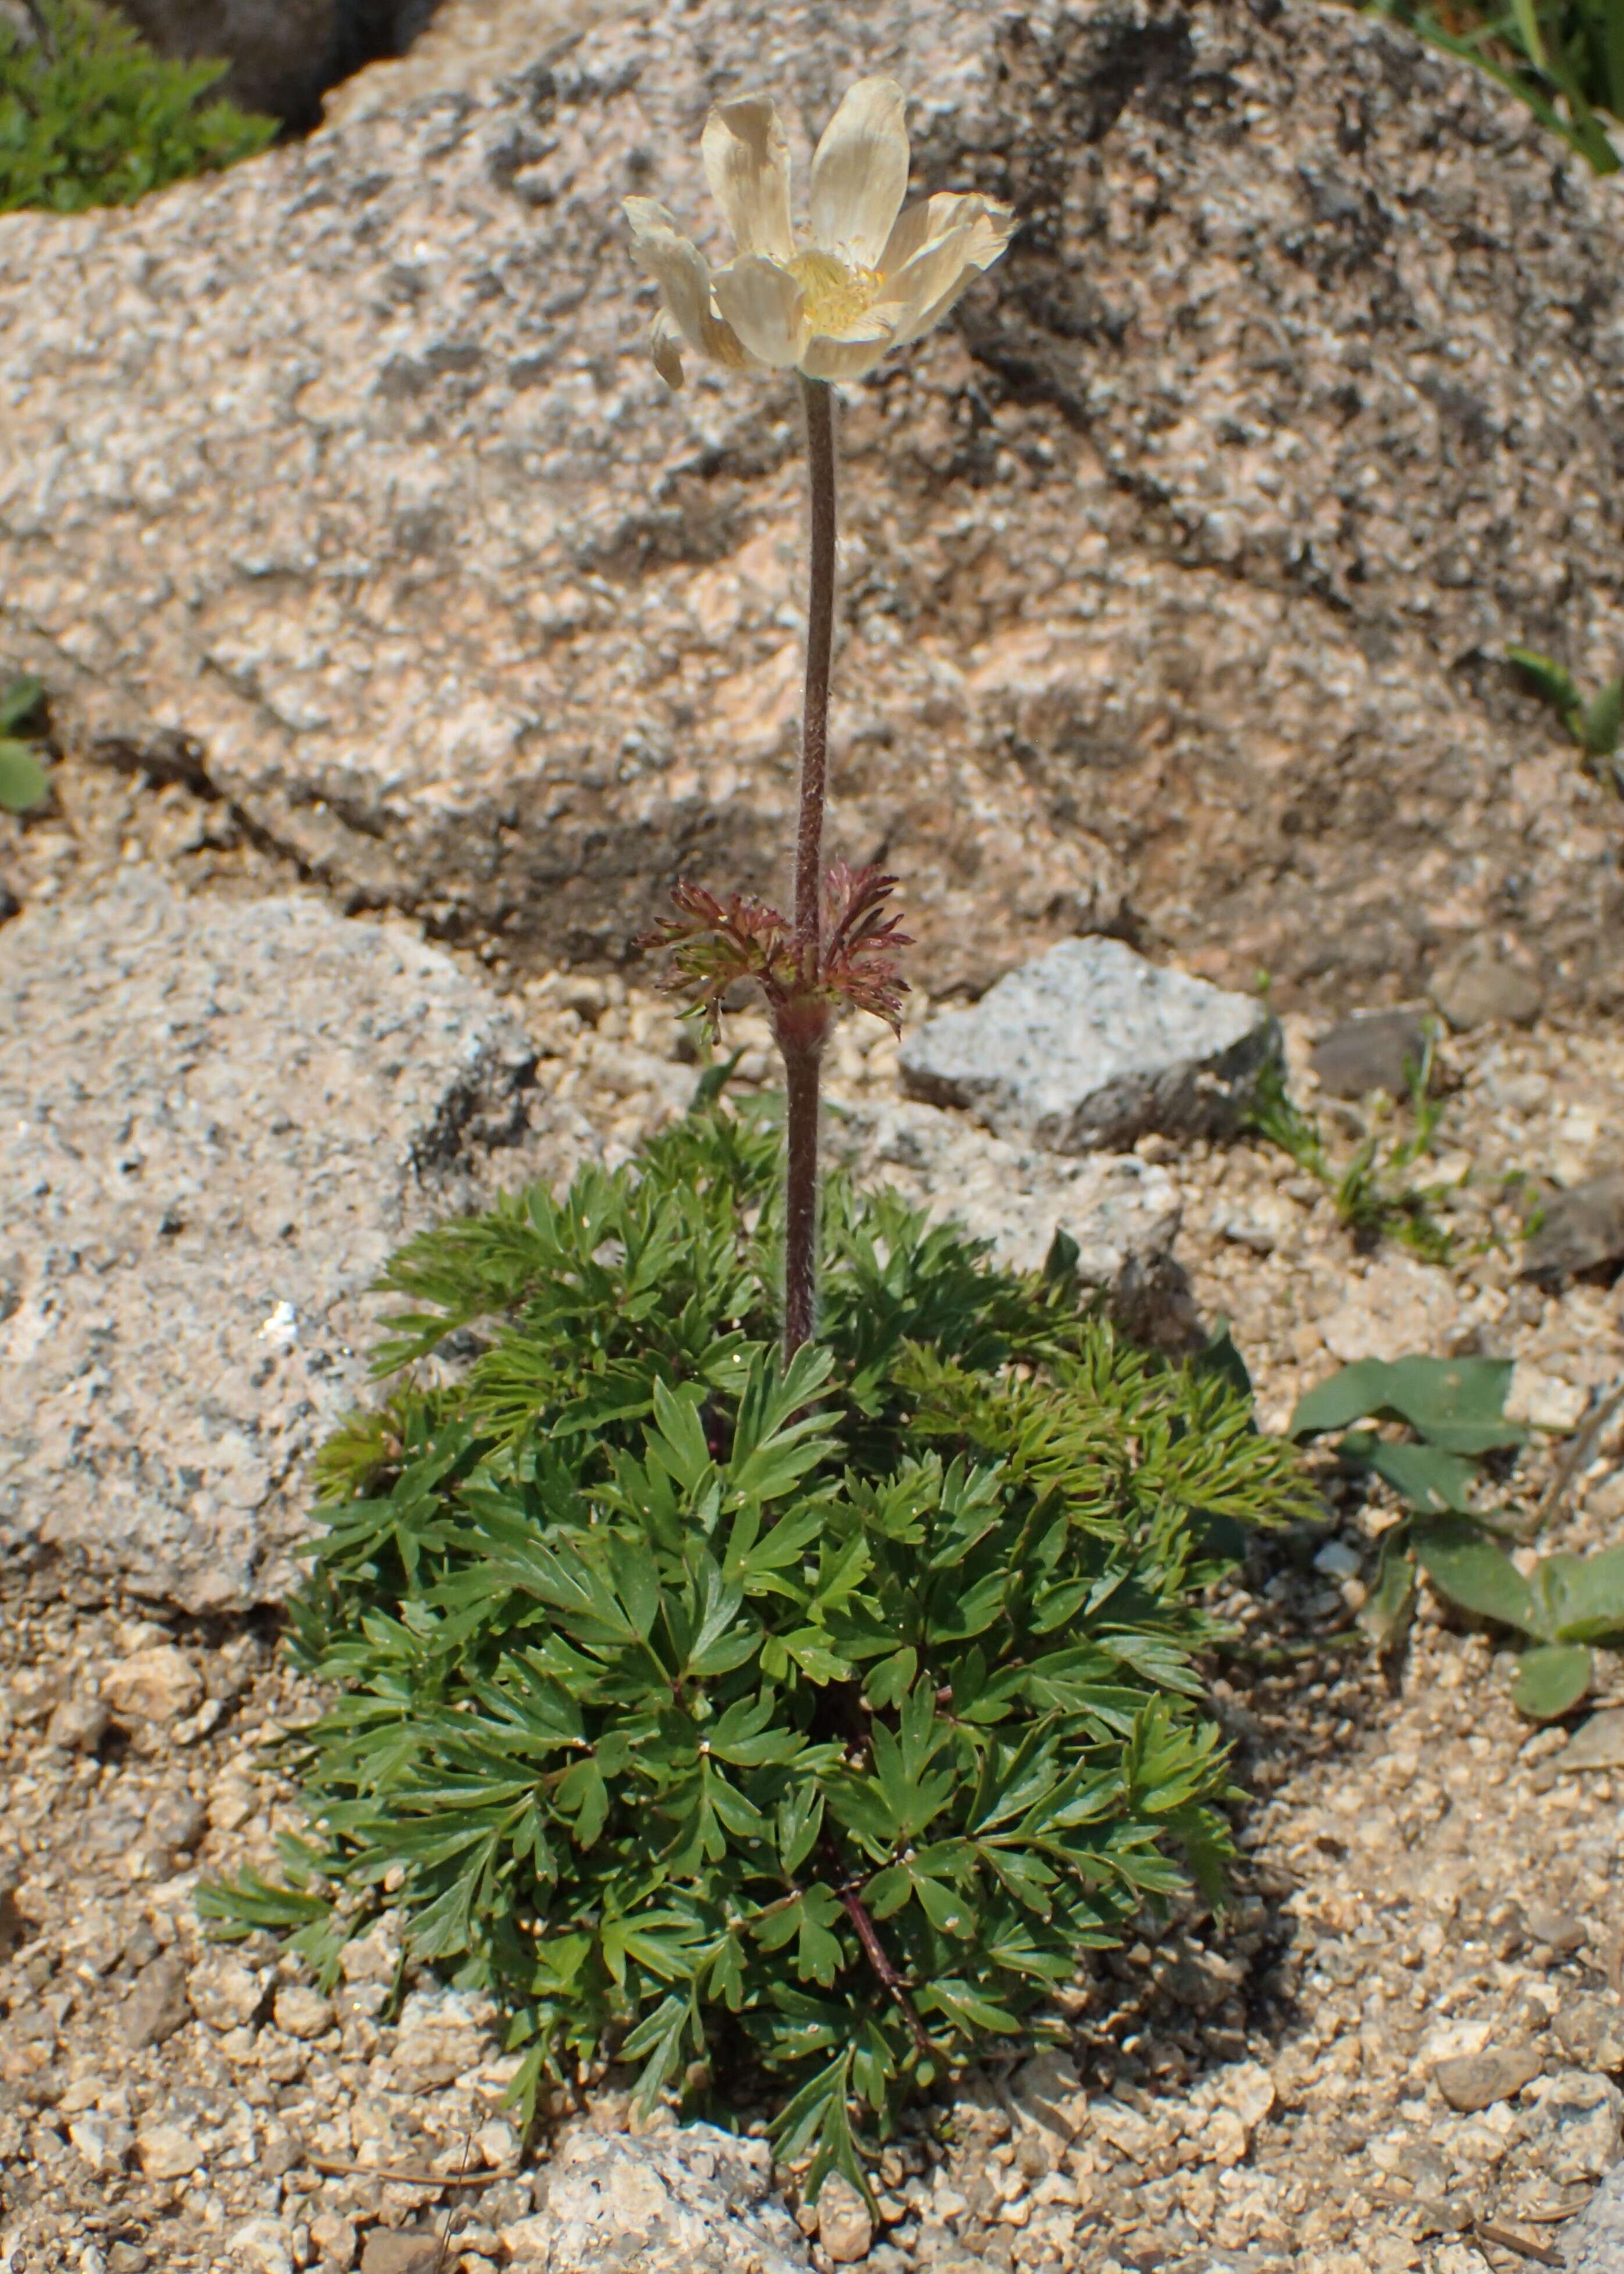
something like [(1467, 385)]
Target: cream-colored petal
[(927, 219), (860, 173), (666, 347), (746, 164), (764, 307), (928, 286), (920, 283), (681, 270), (677, 265), (824, 358)]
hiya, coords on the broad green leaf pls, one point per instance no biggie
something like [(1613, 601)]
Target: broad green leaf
[(1427, 1478), (1581, 1598), (1551, 1679), (24, 782), (1458, 1403), (1476, 1574)]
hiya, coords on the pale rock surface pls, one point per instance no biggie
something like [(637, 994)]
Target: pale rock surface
[(1092, 1047), (689, 2201), (216, 1122), (1175, 565)]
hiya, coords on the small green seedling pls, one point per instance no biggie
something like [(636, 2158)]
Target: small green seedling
[(1370, 1190), (1594, 727), (1456, 1410), (24, 782)]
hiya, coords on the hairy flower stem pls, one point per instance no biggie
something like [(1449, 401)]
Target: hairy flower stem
[(803, 1049)]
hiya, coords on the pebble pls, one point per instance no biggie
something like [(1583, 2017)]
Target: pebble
[(388, 2250), (78, 1724), (102, 2142), (223, 1992), (159, 1683), (1373, 1051), (844, 2224), (157, 2004), (263, 2245), (1597, 1743), (1476, 2081), (301, 2012), (166, 2153), (336, 2239)]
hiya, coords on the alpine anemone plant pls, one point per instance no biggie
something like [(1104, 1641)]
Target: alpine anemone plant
[(784, 1716), (868, 275)]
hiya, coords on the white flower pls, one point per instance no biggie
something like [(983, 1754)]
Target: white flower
[(870, 276)]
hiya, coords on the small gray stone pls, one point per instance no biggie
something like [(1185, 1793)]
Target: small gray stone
[(1579, 1229), (78, 1725), (167, 2152), (1045, 2091), (1593, 2243), (1374, 1050), (224, 1992), (1590, 2030), (157, 2006), (1598, 1743), (389, 2250), (1477, 2081), (159, 1683), (103, 2142), (1091, 1047), (175, 1821), (1558, 1931), (1478, 988), (667, 2202), (301, 2012), (507, 2201), (1573, 2129)]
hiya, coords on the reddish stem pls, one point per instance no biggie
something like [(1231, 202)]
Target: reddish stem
[(803, 1050), (873, 1951)]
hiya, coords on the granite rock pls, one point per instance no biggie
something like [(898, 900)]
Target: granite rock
[(1093, 1047), (341, 485), (689, 2201), (217, 1120)]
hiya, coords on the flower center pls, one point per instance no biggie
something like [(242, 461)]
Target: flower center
[(836, 294)]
